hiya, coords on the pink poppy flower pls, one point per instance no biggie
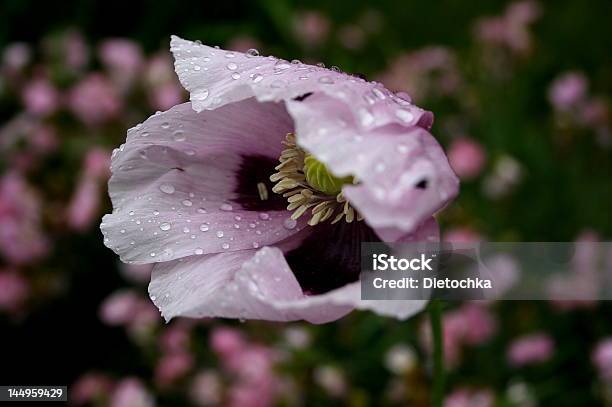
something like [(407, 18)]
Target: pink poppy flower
[(199, 191)]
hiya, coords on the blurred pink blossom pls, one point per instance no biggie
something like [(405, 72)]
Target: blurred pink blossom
[(165, 96), (462, 235), (94, 100), (125, 307), (174, 338), (463, 397), (84, 205), (159, 70), (311, 27), (511, 29), (40, 97), (16, 56), (568, 91), (14, 291), (131, 392), (206, 388), (97, 163), (21, 238), (226, 341), (480, 323), (470, 324), (43, 139), (76, 51), (331, 379), (530, 349), (90, 387), (430, 71), (602, 358), (123, 59), (467, 157), (172, 367)]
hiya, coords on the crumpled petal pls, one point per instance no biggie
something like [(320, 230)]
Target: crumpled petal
[(404, 176), (251, 284), (355, 127), (216, 77), (174, 178)]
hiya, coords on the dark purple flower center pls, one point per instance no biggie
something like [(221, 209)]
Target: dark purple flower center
[(330, 256)]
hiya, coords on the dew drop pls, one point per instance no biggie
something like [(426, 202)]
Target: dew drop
[(264, 216), (252, 52), (226, 207), (187, 202), (220, 233), (232, 66), (167, 188), (198, 251), (289, 223), (201, 210), (204, 228), (257, 77), (197, 68), (178, 135), (255, 245), (225, 246), (165, 226), (131, 213), (165, 125), (202, 95), (185, 229)]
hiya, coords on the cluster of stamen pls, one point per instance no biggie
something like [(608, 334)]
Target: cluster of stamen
[(291, 181)]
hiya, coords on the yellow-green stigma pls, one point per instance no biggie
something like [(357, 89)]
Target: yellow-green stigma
[(319, 177), (310, 187)]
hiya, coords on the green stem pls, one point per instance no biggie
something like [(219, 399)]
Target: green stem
[(435, 316)]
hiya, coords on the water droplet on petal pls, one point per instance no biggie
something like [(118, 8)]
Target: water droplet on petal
[(252, 52), (257, 77), (198, 251), (165, 125), (255, 245), (226, 207), (167, 188), (178, 135), (201, 95), (326, 79), (220, 233), (225, 246), (232, 66), (185, 229), (264, 216), (201, 210), (235, 75), (204, 228), (187, 202), (289, 223), (165, 226)]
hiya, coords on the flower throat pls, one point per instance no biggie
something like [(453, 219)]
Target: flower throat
[(310, 187)]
